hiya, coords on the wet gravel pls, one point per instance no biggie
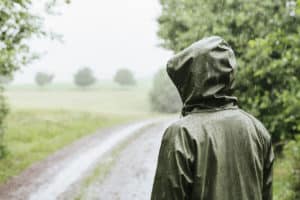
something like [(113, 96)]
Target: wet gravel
[(132, 175)]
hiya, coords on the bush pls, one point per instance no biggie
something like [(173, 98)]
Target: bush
[(164, 96), (84, 77), (268, 85), (124, 77), (43, 79), (5, 80)]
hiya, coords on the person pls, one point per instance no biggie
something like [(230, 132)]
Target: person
[(216, 151)]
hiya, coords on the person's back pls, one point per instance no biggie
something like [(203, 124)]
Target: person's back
[(216, 151)]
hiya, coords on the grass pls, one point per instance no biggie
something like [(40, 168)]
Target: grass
[(287, 172), (283, 185)]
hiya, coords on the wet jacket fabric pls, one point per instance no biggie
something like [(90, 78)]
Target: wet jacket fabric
[(216, 151)]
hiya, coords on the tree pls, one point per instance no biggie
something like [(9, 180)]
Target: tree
[(84, 77), (164, 96), (264, 35), (43, 79), (18, 23), (124, 77)]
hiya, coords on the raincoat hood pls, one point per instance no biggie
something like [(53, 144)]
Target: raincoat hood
[(203, 73)]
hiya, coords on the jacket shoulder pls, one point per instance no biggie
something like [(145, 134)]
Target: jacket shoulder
[(260, 128), (179, 128)]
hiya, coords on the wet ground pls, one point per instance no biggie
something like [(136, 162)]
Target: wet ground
[(132, 176)]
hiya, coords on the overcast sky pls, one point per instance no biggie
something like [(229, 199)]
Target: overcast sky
[(103, 34)]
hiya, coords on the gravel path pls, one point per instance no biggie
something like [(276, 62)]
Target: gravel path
[(49, 178), (132, 175)]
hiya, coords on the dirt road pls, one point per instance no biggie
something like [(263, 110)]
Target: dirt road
[(51, 178)]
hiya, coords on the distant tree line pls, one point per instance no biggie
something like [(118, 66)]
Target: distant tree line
[(85, 77)]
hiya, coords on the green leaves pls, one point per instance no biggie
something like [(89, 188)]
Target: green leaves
[(266, 41), (17, 24)]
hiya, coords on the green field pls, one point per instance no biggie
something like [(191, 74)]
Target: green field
[(107, 98)]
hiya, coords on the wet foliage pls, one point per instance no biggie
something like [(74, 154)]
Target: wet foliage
[(18, 24), (264, 35)]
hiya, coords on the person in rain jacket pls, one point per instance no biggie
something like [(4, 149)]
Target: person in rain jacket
[(216, 151)]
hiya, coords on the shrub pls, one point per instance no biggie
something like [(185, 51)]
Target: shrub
[(43, 79), (164, 96), (84, 77), (124, 77)]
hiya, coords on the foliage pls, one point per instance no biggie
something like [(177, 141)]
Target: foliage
[(84, 77), (5, 79), (275, 75), (43, 79), (164, 96), (18, 24), (265, 39), (124, 77)]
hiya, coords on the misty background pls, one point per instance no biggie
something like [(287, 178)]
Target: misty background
[(103, 35)]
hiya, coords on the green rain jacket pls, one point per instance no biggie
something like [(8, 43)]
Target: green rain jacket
[(216, 151)]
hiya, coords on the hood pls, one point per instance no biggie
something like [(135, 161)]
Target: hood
[(203, 73)]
